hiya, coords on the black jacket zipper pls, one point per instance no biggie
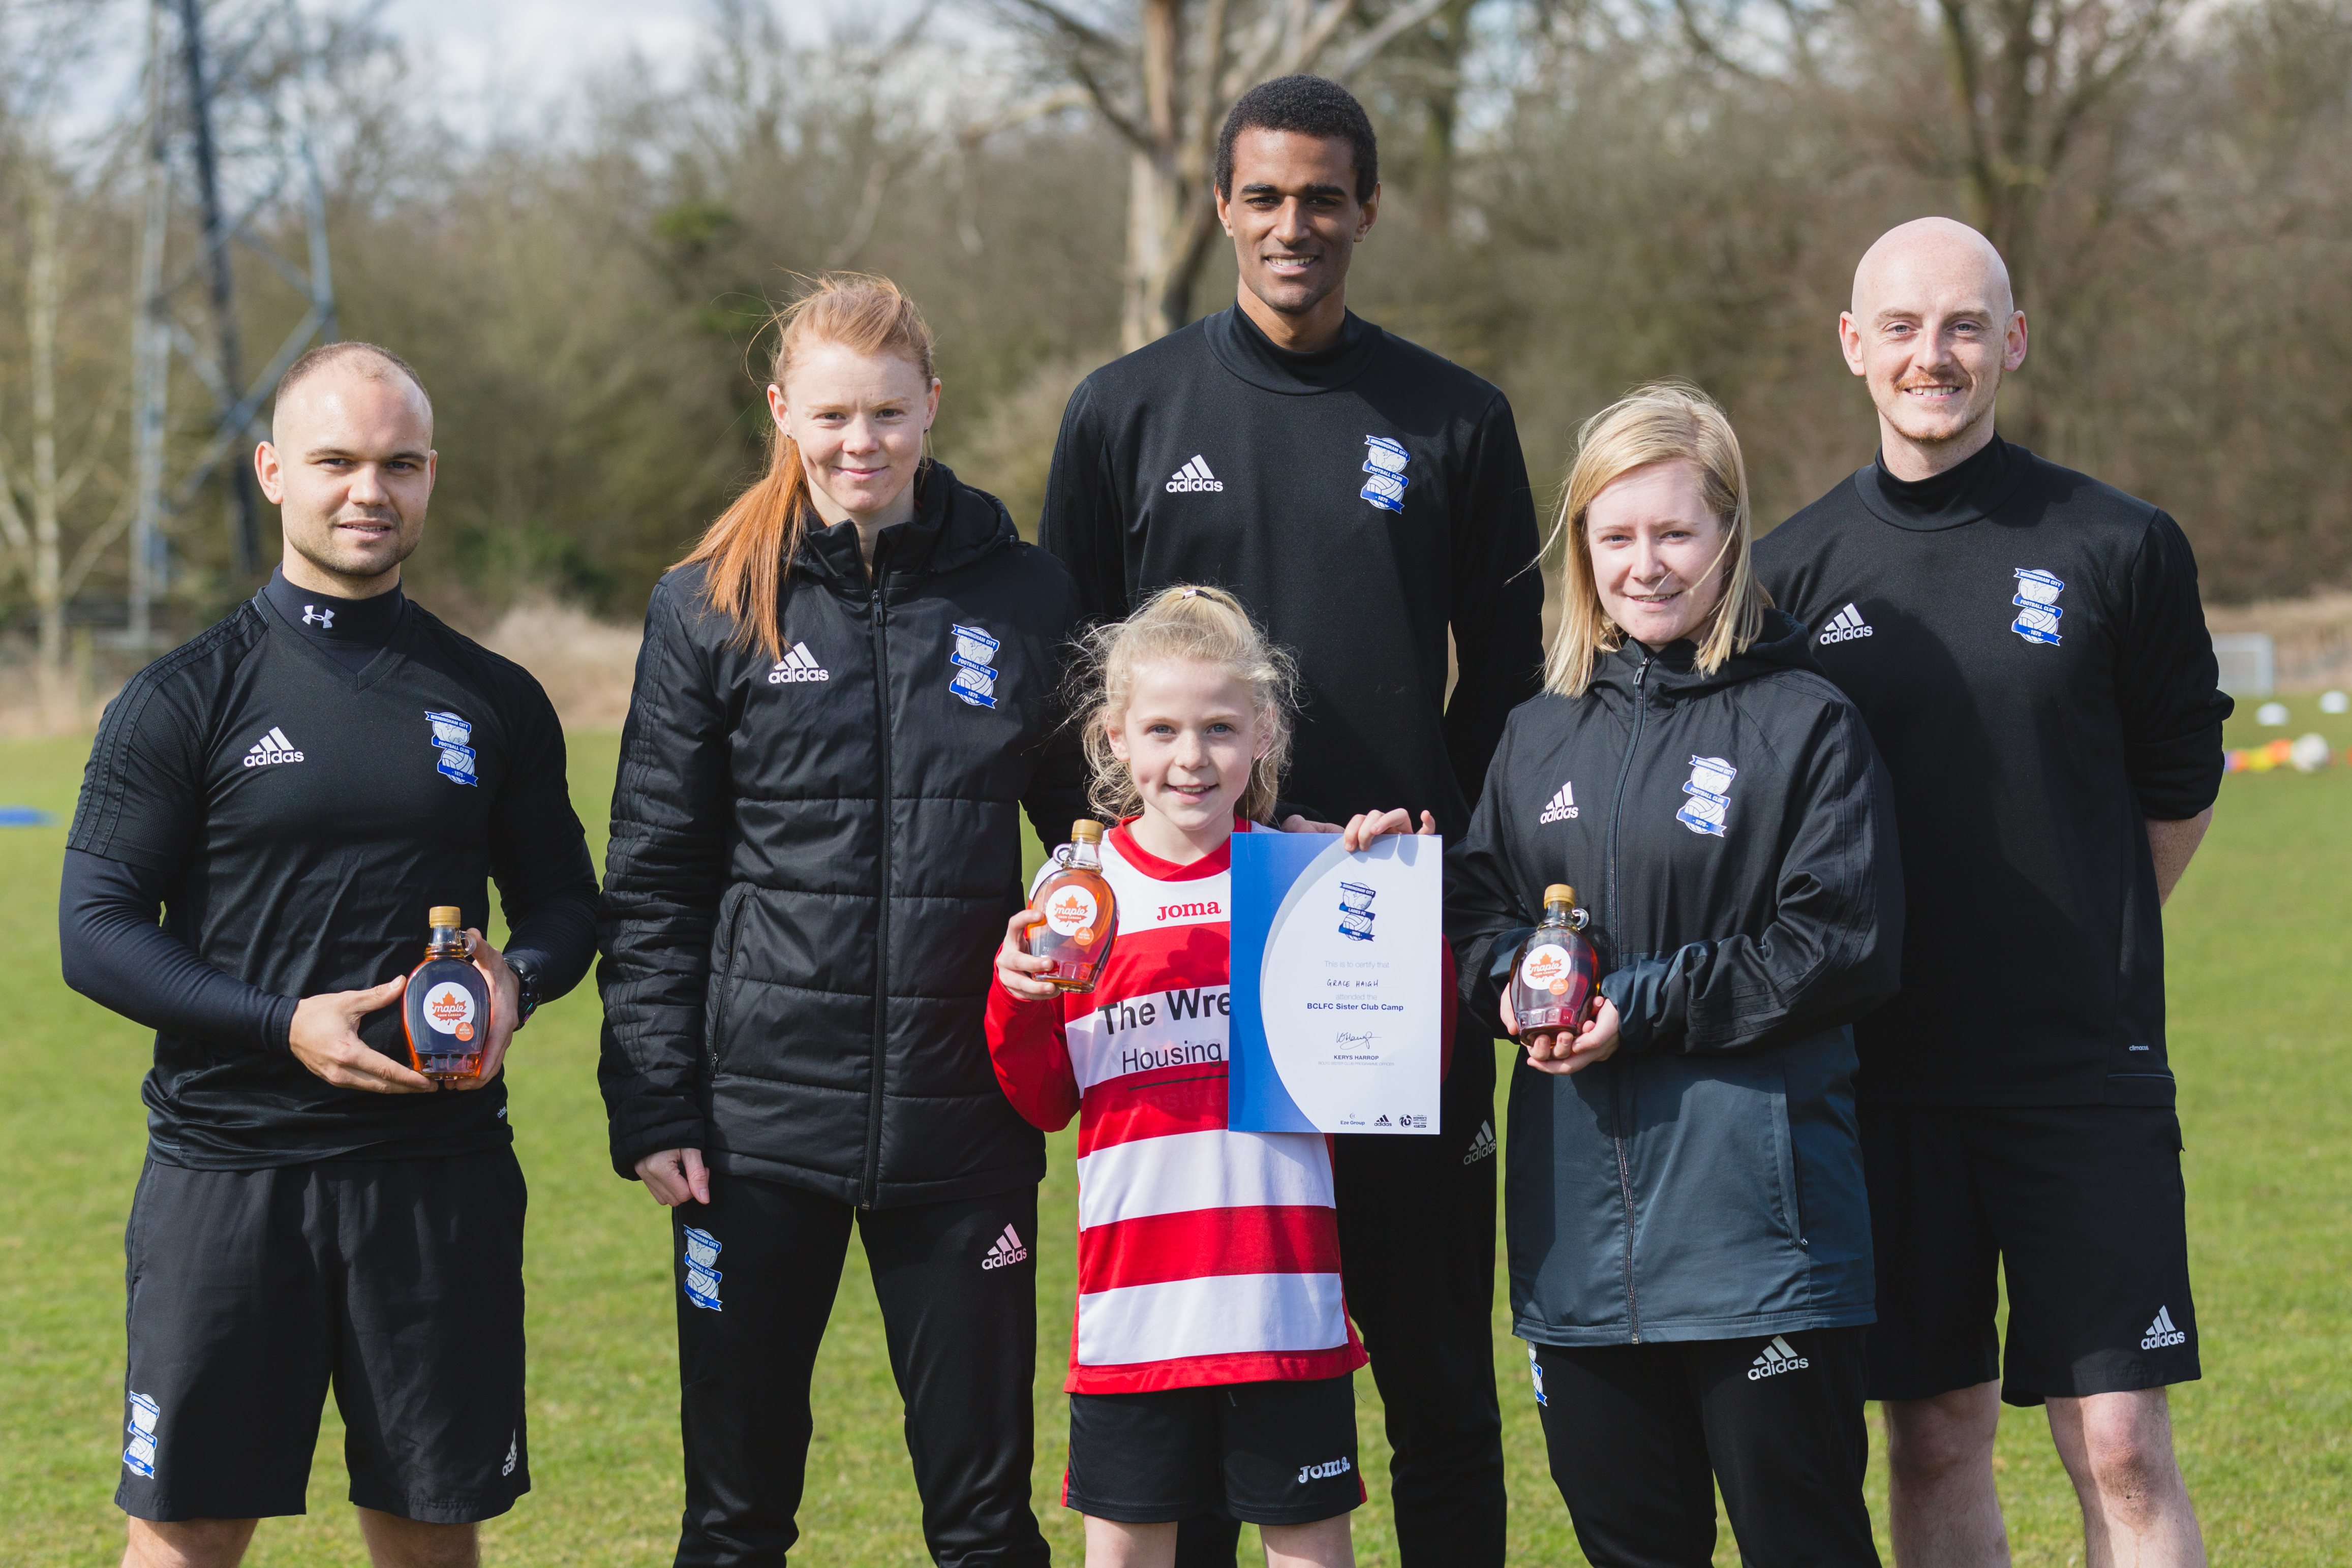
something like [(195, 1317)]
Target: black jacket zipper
[(1617, 1085), (869, 1189)]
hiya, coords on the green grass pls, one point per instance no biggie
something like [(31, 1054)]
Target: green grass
[(2257, 931)]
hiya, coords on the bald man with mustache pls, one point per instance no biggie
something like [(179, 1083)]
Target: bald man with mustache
[(2028, 648)]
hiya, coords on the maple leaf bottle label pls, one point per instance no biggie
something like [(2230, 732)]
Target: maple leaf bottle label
[(1552, 976), (447, 1008), (1081, 915)]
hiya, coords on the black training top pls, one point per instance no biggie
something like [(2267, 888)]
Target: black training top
[(348, 630), (2027, 646), (1360, 500), (302, 819)]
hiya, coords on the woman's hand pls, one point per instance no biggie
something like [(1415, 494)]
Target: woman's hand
[(1554, 1052), (1016, 968), (1366, 826), (673, 1175)]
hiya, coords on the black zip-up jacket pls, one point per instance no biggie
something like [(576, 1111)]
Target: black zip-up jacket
[(1731, 836), (813, 859)]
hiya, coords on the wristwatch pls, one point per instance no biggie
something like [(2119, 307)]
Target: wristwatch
[(527, 991)]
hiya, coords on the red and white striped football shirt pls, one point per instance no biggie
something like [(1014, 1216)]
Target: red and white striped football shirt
[(1205, 1255)]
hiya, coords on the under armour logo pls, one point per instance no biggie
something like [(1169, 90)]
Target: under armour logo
[(314, 616)]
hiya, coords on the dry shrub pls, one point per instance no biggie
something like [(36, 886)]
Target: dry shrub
[(587, 666)]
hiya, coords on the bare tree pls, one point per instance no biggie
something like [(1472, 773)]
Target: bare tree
[(2026, 76), (1164, 81)]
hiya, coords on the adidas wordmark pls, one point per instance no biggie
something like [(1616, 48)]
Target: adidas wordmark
[(272, 748), (1845, 626), (1194, 475), (1779, 1357), (1562, 807), (2161, 1333), (800, 664), (1007, 1251)]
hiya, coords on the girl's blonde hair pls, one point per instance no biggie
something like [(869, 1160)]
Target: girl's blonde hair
[(754, 542), (1665, 421), (1204, 625)]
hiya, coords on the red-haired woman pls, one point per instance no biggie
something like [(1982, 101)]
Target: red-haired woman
[(845, 693)]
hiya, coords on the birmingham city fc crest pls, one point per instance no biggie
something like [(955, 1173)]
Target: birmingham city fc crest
[(2037, 606), (1384, 462), (1708, 790)]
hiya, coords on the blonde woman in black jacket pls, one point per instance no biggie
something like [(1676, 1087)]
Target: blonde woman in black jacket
[(1689, 1244), (846, 695)]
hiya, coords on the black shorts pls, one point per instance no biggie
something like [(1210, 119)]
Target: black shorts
[(398, 1280), (2080, 1208), (1265, 1453)]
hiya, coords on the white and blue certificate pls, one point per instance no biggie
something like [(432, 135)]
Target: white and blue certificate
[(1337, 975)]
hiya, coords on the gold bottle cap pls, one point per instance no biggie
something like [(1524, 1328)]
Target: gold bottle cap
[(1086, 831), (1560, 892), (445, 914)]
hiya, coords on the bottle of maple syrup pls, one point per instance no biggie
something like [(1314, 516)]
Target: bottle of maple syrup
[(447, 1008), (1081, 915), (1551, 977)]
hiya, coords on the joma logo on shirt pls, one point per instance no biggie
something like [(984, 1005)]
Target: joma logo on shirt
[(1188, 911)]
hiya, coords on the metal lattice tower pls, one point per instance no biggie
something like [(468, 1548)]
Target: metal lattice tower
[(231, 170)]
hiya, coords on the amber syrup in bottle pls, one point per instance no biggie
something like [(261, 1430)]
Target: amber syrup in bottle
[(446, 1007), (1551, 977), (1081, 917)]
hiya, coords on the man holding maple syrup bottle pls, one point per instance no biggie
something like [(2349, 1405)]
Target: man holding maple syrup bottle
[(314, 793), (1700, 820)]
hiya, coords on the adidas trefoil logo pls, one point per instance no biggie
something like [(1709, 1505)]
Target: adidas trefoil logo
[(1845, 626), (272, 748), (1007, 1251), (1482, 1147), (1561, 807), (2161, 1333), (1779, 1357), (1194, 475), (800, 664)]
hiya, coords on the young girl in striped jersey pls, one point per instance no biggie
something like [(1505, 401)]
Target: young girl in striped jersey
[(1211, 1359)]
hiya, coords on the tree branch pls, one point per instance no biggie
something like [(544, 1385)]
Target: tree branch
[(1362, 50)]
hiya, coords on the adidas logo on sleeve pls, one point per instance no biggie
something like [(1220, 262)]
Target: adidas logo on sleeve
[(800, 664), (1561, 807), (1194, 475), (1845, 626), (271, 748), (1007, 1251), (1779, 1357), (2161, 1335)]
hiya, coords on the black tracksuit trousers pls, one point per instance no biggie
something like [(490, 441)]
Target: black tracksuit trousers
[(1417, 1259), (1640, 1436), (959, 1308)]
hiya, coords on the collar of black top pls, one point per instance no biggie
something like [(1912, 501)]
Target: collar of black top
[(1250, 354), (324, 618), (1968, 491)]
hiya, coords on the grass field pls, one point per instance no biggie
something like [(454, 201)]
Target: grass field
[(2258, 935)]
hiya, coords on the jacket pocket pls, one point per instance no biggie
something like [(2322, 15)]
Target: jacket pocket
[(1715, 1193), (722, 973)]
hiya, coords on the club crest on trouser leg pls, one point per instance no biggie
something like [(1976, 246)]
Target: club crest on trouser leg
[(1384, 460), (1709, 792), (973, 658), (2037, 606), (702, 1274)]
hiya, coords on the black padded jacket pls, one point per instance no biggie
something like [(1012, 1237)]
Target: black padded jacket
[(812, 858)]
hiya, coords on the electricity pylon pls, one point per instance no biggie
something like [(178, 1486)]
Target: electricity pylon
[(231, 165)]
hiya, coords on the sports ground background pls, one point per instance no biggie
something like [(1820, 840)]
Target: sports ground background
[(2260, 938)]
